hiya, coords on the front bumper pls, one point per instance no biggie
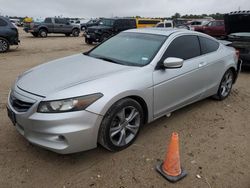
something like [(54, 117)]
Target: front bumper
[(93, 37), (61, 132)]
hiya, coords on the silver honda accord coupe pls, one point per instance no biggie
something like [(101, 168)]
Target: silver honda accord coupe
[(105, 95)]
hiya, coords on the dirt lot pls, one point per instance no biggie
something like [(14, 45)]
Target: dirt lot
[(215, 138)]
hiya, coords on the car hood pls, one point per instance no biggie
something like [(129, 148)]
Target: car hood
[(99, 27), (66, 72)]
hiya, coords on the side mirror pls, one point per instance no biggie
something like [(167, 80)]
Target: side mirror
[(173, 63)]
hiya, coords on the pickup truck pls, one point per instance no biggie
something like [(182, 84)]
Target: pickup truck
[(215, 28), (52, 25), (238, 32)]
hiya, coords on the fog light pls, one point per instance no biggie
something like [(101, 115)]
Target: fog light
[(61, 138)]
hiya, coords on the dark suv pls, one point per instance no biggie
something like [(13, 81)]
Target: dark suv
[(8, 34), (108, 27)]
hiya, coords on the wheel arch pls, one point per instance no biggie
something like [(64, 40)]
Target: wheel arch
[(43, 27), (135, 96), (4, 38), (234, 73), (76, 28)]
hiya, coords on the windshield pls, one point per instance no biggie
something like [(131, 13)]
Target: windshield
[(107, 22), (132, 49)]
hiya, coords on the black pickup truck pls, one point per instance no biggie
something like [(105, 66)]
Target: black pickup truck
[(52, 25), (237, 26)]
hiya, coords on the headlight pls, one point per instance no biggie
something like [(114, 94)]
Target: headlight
[(68, 105)]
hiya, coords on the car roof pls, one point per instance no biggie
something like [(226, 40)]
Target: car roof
[(160, 31), (117, 18)]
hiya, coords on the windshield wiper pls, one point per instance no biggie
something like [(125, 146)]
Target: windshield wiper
[(109, 60)]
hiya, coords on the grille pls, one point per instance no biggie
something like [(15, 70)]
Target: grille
[(19, 105)]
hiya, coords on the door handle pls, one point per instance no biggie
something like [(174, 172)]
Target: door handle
[(202, 64)]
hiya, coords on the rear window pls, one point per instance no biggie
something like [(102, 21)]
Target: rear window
[(208, 45), (3, 23)]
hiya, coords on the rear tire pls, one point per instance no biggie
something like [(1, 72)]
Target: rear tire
[(121, 125), (75, 32), (104, 37), (4, 45), (225, 85), (43, 33)]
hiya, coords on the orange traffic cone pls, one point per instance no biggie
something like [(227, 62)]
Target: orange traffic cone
[(171, 167)]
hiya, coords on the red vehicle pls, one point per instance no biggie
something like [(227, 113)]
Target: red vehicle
[(215, 28)]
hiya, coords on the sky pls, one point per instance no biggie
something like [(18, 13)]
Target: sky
[(110, 8)]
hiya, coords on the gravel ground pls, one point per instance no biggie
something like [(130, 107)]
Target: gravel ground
[(214, 137)]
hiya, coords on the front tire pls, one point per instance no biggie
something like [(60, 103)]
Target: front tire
[(225, 85), (88, 41), (4, 45), (121, 125), (104, 37)]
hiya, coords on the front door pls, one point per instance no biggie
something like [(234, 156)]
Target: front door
[(174, 88)]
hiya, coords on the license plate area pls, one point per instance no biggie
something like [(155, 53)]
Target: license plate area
[(12, 116)]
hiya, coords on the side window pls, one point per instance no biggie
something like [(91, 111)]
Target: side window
[(61, 21), (219, 23), (168, 25), (47, 20), (213, 24), (3, 23), (160, 25), (57, 21), (208, 45), (184, 47)]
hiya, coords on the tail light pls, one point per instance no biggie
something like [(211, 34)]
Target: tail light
[(237, 53)]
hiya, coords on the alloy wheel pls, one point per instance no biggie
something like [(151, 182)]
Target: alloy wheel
[(3, 45), (226, 84), (125, 126)]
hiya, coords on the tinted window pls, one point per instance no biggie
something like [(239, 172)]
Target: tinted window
[(148, 21), (48, 20), (168, 25), (132, 23), (208, 45), (184, 47), (220, 23), (160, 25), (107, 22), (61, 21), (3, 23)]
